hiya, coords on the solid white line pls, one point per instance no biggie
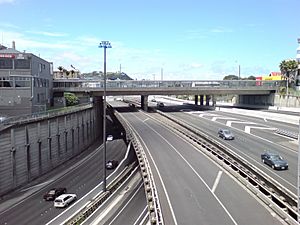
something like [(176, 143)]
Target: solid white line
[(160, 178), (217, 181), (79, 200), (138, 219), (135, 193), (206, 185), (271, 142)]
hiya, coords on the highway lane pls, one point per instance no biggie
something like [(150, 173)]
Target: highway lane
[(133, 211), (249, 146), (188, 185), (34, 210)]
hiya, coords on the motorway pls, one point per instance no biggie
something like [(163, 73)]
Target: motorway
[(249, 145), (79, 178), (193, 189)]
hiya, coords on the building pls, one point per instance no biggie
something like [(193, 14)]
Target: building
[(66, 74), (26, 82)]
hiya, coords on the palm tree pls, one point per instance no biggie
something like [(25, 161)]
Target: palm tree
[(60, 68), (288, 69)]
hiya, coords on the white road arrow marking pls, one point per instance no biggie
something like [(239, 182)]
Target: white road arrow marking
[(248, 128), (228, 123)]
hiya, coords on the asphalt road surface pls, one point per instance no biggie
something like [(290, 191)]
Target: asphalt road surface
[(193, 189), (249, 145)]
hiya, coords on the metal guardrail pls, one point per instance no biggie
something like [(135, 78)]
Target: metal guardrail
[(287, 133), (98, 200), (154, 209), (280, 199)]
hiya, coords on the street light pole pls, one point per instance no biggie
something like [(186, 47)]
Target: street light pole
[(105, 45)]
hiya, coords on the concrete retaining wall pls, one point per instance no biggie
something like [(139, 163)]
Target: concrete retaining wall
[(28, 150), (284, 101)]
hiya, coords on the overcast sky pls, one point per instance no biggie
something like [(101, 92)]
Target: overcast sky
[(191, 39)]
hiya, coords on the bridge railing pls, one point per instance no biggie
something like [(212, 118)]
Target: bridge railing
[(76, 83)]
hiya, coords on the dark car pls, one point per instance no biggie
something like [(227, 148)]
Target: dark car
[(274, 160), (111, 164), (54, 193), (225, 134)]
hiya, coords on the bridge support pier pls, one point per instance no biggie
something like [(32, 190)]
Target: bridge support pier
[(201, 99), (196, 99), (207, 98), (213, 100), (144, 102)]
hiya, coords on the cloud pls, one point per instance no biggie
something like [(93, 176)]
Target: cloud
[(221, 30), (49, 34), (195, 34), (7, 1), (8, 25)]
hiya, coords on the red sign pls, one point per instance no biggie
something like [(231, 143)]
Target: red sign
[(7, 56)]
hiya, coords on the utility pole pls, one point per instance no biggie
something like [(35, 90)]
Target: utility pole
[(104, 45)]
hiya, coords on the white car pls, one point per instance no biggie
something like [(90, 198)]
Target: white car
[(110, 138), (64, 200)]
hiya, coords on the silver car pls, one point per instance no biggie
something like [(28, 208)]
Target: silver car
[(225, 134)]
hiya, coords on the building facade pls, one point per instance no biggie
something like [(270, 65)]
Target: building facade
[(26, 82)]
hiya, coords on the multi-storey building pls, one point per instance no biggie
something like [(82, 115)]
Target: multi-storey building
[(26, 82)]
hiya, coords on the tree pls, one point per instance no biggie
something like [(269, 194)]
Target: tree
[(231, 77), (251, 78), (288, 69), (71, 99)]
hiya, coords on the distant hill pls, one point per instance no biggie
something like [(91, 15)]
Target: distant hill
[(95, 75)]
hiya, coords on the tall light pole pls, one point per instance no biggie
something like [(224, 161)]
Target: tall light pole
[(105, 45)]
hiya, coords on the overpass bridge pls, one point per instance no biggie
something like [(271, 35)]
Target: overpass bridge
[(250, 92)]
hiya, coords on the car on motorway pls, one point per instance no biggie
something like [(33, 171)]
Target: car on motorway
[(274, 160), (131, 105), (110, 137), (225, 134), (64, 200), (54, 193), (160, 104), (111, 164)]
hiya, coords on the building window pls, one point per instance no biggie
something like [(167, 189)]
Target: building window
[(6, 82), (22, 81), (22, 64), (40, 67), (6, 63)]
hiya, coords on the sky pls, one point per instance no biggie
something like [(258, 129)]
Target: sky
[(156, 39)]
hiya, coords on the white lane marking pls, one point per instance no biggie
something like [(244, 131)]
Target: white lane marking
[(254, 160), (221, 118), (228, 123), (248, 128), (192, 168), (113, 205), (217, 181), (160, 177), (80, 200), (145, 120), (41, 184), (139, 218)]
